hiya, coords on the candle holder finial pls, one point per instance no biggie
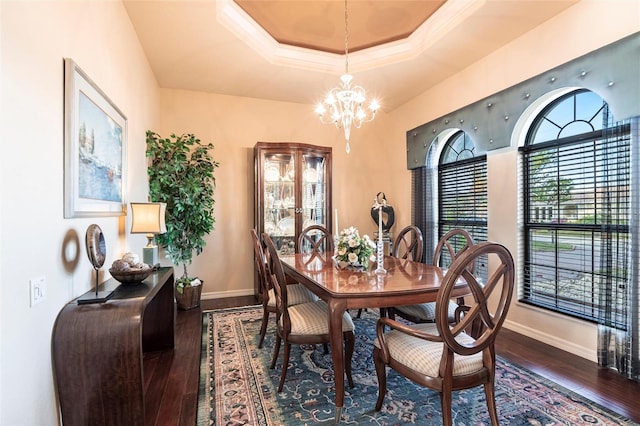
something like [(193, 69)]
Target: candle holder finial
[(380, 246)]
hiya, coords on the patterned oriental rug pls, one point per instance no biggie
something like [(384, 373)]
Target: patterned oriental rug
[(238, 388)]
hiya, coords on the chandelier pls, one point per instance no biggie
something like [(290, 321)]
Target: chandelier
[(344, 105)]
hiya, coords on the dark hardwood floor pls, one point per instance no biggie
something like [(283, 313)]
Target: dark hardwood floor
[(171, 378)]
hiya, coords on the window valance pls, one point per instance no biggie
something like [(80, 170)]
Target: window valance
[(612, 72)]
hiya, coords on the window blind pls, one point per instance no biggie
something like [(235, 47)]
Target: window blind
[(462, 188), (576, 224)]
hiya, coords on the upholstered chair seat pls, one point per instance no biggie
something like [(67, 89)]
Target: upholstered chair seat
[(297, 294), (305, 323), (423, 356), (450, 246), (445, 356), (426, 312), (311, 318)]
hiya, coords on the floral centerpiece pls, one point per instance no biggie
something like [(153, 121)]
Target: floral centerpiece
[(354, 252)]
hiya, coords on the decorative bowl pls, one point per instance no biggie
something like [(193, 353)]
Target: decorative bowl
[(133, 276)]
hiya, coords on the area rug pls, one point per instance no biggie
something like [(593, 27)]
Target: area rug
[(238, 388)]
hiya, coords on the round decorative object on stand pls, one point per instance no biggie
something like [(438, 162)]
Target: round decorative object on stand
[(96, 247), (97, 252)]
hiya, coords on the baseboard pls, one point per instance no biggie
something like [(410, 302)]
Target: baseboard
[(223, 294), (554, 341)]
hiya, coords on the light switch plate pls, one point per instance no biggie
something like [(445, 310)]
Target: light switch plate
[(38, 290)]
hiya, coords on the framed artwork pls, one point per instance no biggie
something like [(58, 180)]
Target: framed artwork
[(95, 145)]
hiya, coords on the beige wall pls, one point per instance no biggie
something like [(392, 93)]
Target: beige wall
[(35, 38), (234, 125)]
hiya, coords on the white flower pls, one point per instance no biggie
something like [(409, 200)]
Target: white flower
[(369, 241), (354, 249)]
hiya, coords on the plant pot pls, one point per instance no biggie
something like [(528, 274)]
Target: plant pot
[(189, 298)]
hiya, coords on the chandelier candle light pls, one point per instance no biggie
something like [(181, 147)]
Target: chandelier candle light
[(345, 102)]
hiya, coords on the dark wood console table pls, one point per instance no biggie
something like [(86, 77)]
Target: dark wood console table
[(98, 350)]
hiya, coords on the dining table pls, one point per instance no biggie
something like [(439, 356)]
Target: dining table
[(404, 282)]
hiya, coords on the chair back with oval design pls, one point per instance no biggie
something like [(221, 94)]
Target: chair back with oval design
[(449, 358), (304, 323), (261, 265), (315, 239), (409, 244), (278, 281), (490, 317), (450, 246)]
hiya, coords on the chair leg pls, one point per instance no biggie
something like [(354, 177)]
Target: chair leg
[(445, 403), (349, 346), (489, 392), (263, 327), (381, 372), (326, 348), (276, 352), (285, 365)]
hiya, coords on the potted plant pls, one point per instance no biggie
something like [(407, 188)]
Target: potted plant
[(181, 174)]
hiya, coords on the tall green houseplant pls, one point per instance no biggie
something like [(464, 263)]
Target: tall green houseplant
[(181, 174)]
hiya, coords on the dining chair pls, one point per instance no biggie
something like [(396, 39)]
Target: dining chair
[(297, 292), (440, 355), (306, 323), (450, 246), (315, 239), (409, 244)]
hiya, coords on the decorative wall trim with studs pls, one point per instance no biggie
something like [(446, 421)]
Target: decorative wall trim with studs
[(613, 72)]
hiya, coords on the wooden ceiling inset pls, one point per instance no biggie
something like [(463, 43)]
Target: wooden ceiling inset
[(319, 25)]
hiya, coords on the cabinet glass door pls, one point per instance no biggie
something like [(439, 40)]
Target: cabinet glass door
[(292, 191), (314, 185), (314, 194), (280, 201)]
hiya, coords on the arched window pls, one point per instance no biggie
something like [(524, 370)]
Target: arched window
[(462, 188), (576, 176)]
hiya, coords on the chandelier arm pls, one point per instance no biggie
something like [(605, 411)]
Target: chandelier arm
[(344, 104)]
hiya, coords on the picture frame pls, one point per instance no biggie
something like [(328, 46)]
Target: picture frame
[(95, 146)]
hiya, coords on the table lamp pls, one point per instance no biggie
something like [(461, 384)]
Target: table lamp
[(148, 218)]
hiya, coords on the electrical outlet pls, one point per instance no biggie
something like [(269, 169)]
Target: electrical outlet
[(38, 290)]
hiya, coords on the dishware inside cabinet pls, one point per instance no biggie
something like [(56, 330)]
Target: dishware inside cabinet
[(292, 190), (314, 210)]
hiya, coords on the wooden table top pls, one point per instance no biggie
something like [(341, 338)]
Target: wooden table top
[(403, 277)]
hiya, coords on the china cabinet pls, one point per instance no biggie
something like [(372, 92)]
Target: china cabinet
[(292, 190)]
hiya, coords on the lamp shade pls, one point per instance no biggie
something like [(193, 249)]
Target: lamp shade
[(148, 218)]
